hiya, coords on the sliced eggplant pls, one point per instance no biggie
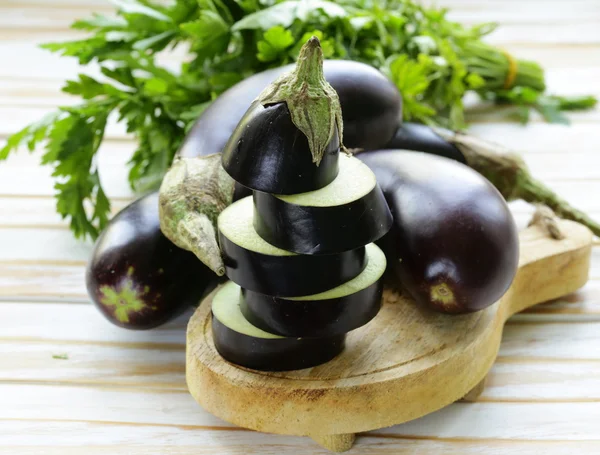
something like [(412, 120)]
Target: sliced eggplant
[(242, 343), (257, 265), (288, 141), (346, 214), (336, 311), (266, 152)]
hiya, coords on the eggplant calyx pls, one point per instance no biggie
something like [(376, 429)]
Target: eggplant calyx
[(193, 193), (124, 300), (313, 103)]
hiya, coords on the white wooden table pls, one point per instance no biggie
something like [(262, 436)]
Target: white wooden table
[(124, 392)]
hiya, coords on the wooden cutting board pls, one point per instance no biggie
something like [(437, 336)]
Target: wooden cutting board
[(407, 362)]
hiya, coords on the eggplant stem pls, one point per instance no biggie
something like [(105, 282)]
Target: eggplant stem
[(313, 103), (510, 175), (534, 191)]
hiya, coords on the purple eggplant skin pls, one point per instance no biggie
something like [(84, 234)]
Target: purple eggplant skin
[(136, 277), (371, 107), (421, 138), (454, 243)]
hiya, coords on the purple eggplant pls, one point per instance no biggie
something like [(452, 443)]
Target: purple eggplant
[(454, 244), (136, 277)]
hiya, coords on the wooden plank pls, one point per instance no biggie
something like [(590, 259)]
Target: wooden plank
[(531, 421), (34, 212), (102, 404), (541, 137), (47, 282), (89, 364), (80, 324), (549, 341), (512, 379), (70, 438), (22, 174), (518, 379)]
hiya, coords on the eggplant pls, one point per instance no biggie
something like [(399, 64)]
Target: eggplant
[(288, 141), (243, 344), (267, 152), (259, 266), (422, 138), (336, 311), (347, 214), (454, 244), (136, 277), (371, 107)]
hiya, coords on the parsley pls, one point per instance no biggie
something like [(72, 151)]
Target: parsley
[(433, 61)]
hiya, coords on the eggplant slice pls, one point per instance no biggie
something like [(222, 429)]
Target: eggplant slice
[(259, 266), (266, 152), (241, 343), (346, 214), (336, 311)]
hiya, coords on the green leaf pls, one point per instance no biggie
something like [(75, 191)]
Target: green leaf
[(133, 7), (155, 87), (152, 41), (99, 21), (285, 13), (209, 33), (30, 135), (281, 14), (89, 88), (275, 41)]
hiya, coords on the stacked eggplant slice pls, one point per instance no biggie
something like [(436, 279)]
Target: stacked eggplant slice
[(299, 252)]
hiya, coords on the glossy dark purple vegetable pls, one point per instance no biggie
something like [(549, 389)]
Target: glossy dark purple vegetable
[(136, 277), (454, 244), (241, 343), (336, 311), (371, 107), (253, 157), (421, 138), (328, 220), (259, 266)]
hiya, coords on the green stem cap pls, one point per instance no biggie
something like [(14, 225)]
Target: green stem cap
[(313, 104)]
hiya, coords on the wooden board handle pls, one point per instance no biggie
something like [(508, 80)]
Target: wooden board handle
[(549, 268)]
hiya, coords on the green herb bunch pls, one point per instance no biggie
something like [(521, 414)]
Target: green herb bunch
[(432, 60)]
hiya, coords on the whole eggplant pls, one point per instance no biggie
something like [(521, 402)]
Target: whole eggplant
[(421, 138), (136, 277), (123, 271), (454, 244), (371, 108)]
